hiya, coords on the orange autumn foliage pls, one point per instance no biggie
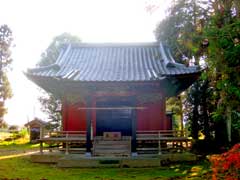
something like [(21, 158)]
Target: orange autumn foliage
[(226, 165)]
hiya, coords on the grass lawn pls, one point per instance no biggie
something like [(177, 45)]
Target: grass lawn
[(15, 164)]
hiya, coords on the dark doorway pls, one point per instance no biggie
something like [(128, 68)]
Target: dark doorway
[(114, 115), (34, 133)]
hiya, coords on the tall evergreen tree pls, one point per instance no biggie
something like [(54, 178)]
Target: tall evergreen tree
[(209, 30), (182, 30), (198, 108), (5, 61), (223, 33), (183, 26)]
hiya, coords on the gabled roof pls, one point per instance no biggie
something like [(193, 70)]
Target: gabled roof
[(119, 62), (36, 122)]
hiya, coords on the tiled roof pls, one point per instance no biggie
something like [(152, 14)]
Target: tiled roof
[(113, 62), (36, 121)]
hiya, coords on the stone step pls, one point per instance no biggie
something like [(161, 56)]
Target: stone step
[(111, 146), (109, 152), (112, 142), (108, 162), (106, 147)]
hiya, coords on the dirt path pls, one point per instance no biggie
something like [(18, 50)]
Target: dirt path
[(17, 155)]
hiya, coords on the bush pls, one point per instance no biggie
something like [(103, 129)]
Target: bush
[(23, 133), (226, 165)]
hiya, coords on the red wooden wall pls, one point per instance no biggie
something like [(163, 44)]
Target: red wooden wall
[(74, 118), (152, 117)]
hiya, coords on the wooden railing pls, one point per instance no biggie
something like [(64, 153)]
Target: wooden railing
[(66, 134), (62, 140), (164, 139), (160, 135), (148, 141)]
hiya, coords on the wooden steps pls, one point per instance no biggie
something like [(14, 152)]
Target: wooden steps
[(112, 147)]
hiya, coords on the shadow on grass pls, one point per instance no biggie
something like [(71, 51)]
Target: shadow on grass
[(16, 148), (15, 164)]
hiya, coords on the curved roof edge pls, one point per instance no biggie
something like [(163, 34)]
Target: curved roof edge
[(89, 62)]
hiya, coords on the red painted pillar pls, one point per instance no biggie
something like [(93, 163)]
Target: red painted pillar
[(88, 119), (94, 116), (134, 127)]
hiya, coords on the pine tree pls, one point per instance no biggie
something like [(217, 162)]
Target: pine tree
[(223, 33), (182, 31)]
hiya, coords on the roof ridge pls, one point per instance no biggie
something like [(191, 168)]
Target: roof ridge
[(115, 44)]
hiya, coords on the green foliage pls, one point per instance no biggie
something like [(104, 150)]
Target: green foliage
[(23, 133), (182, 28), (178, 31), (50, 104), (174, 104), (209, 30), (6, 91), (223, 32), (5, 61), (5, 45), (16, 133), (13, 136), (51, 54)]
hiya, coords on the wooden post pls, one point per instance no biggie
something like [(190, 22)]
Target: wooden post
[(67, 145), (67, 148), (159, 143), (41, 132), (134, 137), (41, 147), (88, 135), (181, 114), (229, 124)]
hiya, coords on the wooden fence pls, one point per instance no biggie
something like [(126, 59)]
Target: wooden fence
[(147, 141), (162, 141), (63, 139)]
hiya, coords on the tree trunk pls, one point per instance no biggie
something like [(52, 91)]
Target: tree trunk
[(195, 126), (229, 124), (206, 121), (237, 7)]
